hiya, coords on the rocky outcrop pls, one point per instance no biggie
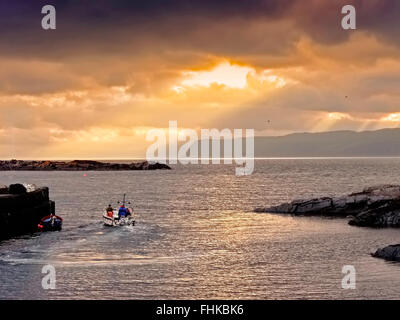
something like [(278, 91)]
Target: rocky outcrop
[(21, 208), (77, 165), (390, 253), (373, 207)]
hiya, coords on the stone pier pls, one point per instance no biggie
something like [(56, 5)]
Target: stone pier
[(21, 208)]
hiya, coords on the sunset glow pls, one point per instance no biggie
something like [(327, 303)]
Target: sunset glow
[(213, 71), (393, 117), (226, 74)]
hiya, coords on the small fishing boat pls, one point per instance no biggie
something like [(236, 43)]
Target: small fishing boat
[(50, 223), (123, 216)]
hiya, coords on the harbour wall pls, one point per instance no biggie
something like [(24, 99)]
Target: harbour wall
[(21, 212)]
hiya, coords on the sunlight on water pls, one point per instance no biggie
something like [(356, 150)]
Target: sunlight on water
[(197, 237)]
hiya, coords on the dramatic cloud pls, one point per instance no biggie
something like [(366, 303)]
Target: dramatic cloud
[(113, 69)]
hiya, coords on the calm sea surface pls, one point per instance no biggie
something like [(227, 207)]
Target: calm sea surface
[(197, 238)]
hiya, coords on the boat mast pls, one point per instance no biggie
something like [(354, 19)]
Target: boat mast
[(124, 200)]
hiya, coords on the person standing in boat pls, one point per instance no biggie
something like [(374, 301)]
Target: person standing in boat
[(122, 212)]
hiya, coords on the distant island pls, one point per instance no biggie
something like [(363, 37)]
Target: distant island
[(77, 165)]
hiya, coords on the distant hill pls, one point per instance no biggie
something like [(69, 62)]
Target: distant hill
[(380, 143)]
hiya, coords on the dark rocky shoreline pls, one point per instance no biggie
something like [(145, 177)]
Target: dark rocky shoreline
[(376, 207), (78, 165), (389, 253)]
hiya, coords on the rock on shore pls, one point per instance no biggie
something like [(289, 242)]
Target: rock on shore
[(77, 165), (373, 207), (390, 253)]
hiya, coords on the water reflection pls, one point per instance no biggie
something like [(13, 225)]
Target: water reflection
[(197, 236)]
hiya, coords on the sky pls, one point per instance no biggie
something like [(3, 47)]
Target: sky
[(112, 70)]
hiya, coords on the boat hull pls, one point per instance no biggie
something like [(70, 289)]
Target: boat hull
[(50, 223), (117, 222)]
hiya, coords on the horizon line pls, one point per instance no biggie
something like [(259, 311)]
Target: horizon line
[(211, 158)]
